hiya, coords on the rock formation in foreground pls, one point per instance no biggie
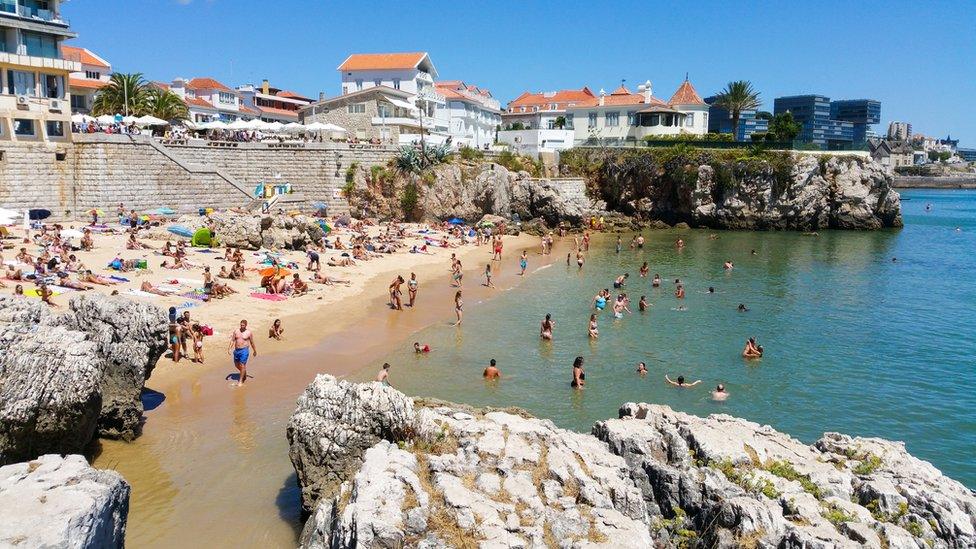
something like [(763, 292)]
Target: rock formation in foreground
[(66, 375), (378, 469), (56, 501), (252, 231)]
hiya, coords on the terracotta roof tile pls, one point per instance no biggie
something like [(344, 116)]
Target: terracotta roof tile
[(83, 55), (197, 102), (622, 90), (86, 83), (247, 110), (379, 61), (279, 112), (686, 95), (561, 98), (290, 95), (206, 84)]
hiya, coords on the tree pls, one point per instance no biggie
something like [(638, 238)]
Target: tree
[(124, 94), (560, 122), (165, 104), (738, 96), (784, 127), (764, 115)]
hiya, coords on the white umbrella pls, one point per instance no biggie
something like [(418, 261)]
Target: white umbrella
[(293, 127), (215, 125), (81, 118), (275, 126), (239, 124), (191, 124), (129, 119), (258, 124), (334, 128), (148, 120), (106, 119), (71, 233)]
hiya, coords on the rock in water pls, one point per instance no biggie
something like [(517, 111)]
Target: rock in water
[(61, 375), (56, 501)]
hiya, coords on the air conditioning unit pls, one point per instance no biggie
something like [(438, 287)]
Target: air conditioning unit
[(22, 100), (56, 104)]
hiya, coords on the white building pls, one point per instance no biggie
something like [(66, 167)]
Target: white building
[(413, 73), (208, 100), (272, 104), (624, 116), (93, 74), (540, 122), (473, 114)]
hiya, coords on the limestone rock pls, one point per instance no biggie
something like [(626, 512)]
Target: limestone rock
[(237, 230), (56, 501)]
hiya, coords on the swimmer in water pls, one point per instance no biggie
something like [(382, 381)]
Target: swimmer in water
[(643, 270), (594, 332), (545, 330), (621, 280), (681, 382), (656, 283), (642, 304), (711, 290), (619, 306), (642, 369), (384, 375), (579, 376), (752, 350), (492, 371), (618, 244), (720, 393), (420, 350), (728, 266), (569, 256), (679, 243), (679, 293), (640, 241), (600, 301), (743, 308)]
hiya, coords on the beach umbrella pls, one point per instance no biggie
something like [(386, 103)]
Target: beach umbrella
[(162, 211), (239, 124), (215, 125), (334, 128), (81, 118), (293, 127), (274, 126), (272, 271), (38, 214), (148, 120), (106, 119), (96, 211), (456, 221), (180, 230), (71, 233)]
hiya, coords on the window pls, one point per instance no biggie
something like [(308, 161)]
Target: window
[(612, 119), (591, 121), (356, 108), (705, 119), (359, 84), (52, 86), (20, 82), (396, 83), (377, 82), (226, 97), (40, 45), (631, 118), (383, 110), (78, 102), (569, 122), (552, 106), (23, 127), (55, 128), (690, 119), (655, 120), (93, 75)]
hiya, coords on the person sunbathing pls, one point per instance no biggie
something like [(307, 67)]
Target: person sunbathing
[(328, 280), (87, 243), (87, 276), (343, 262), (223, 272), (64, 282), (133, 244), (24, 257), (45, 294), (13, 273), (237, 271)]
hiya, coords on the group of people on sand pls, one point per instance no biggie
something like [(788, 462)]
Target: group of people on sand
[(396, 300)]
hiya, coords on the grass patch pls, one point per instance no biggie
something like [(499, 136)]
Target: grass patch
[(869, 464), (836, 515), (540, 471), (441, 521), (745, 478), (750, 540), (914, 528), (786, 470)]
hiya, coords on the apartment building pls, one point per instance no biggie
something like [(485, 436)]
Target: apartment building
[(83, 84), (34, 97)]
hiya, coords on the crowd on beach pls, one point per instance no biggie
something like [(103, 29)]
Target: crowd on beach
[(619, 305)]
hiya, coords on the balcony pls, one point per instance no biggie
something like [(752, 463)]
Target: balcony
[(32, 13), (36, 62), (399, 121)]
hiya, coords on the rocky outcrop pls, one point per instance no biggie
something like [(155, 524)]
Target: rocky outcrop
[(727, 481), (65, 376), (251, 231), (56, 501), (471, 190), (379, 469), (442, 475)]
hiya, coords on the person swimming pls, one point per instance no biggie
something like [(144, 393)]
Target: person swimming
[(579, 376), (752, 350), (711, 290), (643, 270), (492, 371), (641, 368), (720, 393), (743, 308), (418, 349), (679, 293), (621, 281), (728, 266), (593, 331), (545, 330), (681, 382), (642, 304), (656, 283)]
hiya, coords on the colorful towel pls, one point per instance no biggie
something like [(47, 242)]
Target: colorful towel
[(119, 278), (269, 297), (194, 295), (35, 293)]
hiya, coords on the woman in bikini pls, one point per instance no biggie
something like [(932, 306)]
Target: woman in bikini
[(579, 376), (594, 332), (458, 307), (545, 330), (412, 289), (643, 270)]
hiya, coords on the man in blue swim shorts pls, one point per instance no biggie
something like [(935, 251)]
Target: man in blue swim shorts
[(240, 340)]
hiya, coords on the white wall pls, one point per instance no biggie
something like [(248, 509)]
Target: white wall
[(624, 131), (410, 80), (532, 142)]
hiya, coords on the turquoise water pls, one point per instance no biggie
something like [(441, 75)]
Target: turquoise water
[(855, 342)]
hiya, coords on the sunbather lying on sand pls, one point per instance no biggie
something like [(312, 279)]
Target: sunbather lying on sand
[(64, 282)]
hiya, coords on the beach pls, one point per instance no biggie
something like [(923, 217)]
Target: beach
[(211, 450)]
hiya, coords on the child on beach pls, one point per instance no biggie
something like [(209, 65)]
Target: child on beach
[(196, 333), (488, 276), (523, 263), (276, 330)]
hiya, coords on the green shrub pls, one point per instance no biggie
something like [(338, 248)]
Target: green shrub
[(409, 201), (351, 172), (869, 464), (786, 470), (836, 515), (468, 153), (914, 528)]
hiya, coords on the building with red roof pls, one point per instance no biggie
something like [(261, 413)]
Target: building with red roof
[(272, 104), (473, 114), (209, 99), (83, 84)]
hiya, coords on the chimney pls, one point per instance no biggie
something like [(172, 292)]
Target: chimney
[(647, 92), (265, 87), (603, 95)]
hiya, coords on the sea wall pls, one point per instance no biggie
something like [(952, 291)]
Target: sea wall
[(99, 171), (966, 181), (380, 469)]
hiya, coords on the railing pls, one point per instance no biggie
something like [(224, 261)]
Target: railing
[(36, 13)]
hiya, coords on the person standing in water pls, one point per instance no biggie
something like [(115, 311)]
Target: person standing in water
[(656, 283), (720, 393), (458, 275), (523, 263), (492, 371), (240, 341), (594, 332), (640, 241), (396, 302), (618, 243), (488, 282), (679, 292), (545, 330), (642, 304), (579, 376), (384, 374), (412, 289), (579, 259), (641, 369), (458, 307), (643, 270), (600, 301)]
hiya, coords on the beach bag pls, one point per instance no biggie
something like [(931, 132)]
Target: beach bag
[(206, 330)]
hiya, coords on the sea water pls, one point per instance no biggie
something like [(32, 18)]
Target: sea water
[(865, 333)]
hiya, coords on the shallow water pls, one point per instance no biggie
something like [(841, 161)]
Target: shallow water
[(855, 342)]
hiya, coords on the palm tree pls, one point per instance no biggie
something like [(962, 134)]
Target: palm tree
[(124, 93), (164, 104), (738, 96)]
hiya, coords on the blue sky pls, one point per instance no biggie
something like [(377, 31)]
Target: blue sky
[(917, 58)]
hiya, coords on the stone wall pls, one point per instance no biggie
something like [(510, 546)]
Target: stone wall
[(99, 171)]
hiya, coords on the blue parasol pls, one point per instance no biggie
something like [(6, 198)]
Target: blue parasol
[(456, 221)]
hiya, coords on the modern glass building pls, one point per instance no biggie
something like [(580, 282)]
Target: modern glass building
[(720, 121), (863, 113), (813, 112)]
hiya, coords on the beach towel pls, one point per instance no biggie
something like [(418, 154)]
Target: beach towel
[(61, 289), (194, 295), (188, 305), (33, 292), (119, 278), (269, 297), (140, 293), (189, 281)]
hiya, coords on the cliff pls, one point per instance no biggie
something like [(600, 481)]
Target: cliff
[(379, 469), (740, 189)]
